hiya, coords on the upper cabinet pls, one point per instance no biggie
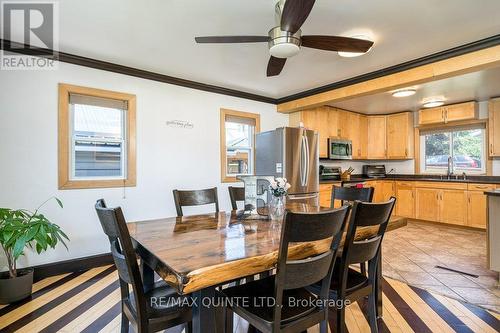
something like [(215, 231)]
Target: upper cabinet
[(448, 113), (494, 128), (377, 148), (400, 135), (373, 137)]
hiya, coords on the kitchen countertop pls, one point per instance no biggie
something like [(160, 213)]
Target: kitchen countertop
[(431, 178), (493, 193)]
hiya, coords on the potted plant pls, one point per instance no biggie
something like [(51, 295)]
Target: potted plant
[(20, 229)]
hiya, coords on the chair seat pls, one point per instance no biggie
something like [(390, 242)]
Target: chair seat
[(251, 297), (355, 280), (162, 300)]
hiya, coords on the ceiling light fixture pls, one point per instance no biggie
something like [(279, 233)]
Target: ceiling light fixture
[(404, 92), (433, 102), (356, 54)]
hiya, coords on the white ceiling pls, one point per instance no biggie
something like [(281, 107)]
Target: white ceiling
[(477, 86), (158, 35)]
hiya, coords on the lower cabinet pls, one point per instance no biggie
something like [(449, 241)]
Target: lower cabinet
[(405, 199), (325, 193), (383, 190), (453, 207), (476, 206), (427, 204)]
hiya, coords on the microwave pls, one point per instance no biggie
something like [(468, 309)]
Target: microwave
[(339, 149)]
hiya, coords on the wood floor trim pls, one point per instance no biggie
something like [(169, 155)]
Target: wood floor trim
[(442, 311), (57, 325), (104, 320), (404, 309), (32, 315)]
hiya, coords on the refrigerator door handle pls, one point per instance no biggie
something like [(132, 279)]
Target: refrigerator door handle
[(300, 197), (303, 161), (308, 161)]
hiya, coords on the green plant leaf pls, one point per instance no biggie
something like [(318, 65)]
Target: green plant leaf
[(59, 202), (18, 248)]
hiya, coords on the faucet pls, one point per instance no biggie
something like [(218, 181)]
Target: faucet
[(449, 173)]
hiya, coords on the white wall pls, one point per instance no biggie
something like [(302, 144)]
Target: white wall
[(400, 167), (167, 158)]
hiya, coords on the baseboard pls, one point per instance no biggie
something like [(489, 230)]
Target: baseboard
[(72, 265)]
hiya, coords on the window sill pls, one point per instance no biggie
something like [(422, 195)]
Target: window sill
[(91, 184)]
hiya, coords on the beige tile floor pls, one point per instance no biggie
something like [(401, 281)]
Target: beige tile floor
[(411, 254)]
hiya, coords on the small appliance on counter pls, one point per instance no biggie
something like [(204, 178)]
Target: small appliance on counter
[(374, 171), (329, 173), (339, 148)]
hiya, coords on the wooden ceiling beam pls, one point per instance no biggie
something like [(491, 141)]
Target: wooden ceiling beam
[(459, 65)]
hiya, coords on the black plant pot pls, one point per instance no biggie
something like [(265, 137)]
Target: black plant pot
[(15, 289)]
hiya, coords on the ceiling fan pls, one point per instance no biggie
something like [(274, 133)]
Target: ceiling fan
[(285, 39)]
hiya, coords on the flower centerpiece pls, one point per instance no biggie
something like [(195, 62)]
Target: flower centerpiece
[(279, 189)]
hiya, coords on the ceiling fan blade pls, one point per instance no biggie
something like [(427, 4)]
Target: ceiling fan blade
[(275, 65), (336, 43), (294, 14), (232, 39)]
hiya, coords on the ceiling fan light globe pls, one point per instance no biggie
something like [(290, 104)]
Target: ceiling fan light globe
[(284, 50)]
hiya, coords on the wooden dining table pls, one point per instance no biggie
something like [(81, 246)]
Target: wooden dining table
[(196, 254)]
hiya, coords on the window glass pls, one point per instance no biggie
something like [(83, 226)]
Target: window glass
[(98, 141), (239, 148), (465, 147)]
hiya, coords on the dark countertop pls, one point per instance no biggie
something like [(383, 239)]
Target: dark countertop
[(493, 193), (427, 178)]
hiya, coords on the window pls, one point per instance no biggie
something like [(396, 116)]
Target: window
[(96, 138), (238, 131), (465, 147)]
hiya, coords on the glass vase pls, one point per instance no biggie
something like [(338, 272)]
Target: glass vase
[(277, 208)]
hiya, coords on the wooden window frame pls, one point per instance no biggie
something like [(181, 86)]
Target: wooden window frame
[(65, 182), (223, 113), (450, 126)]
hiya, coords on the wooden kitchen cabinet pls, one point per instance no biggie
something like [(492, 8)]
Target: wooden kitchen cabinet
[(448, 113), (405, 199), (453, 207), (383, 190), (323, 119), (494, 128), (400, 136), (325, 194), (427, 204), (377, 137), (476, 209), (431, 116), (354, 127)]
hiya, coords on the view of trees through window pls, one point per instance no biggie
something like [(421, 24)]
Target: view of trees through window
[(466, 147), (239, 150)]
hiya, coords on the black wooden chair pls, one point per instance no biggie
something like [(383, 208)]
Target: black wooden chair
[(351, 194), (287, 287), (195, 198), (236, 194), (347, 283), (148, 310)]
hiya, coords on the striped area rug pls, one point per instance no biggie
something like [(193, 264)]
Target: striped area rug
[(89, 302)]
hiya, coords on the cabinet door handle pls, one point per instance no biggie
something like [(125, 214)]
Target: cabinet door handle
[(491, 148), (406, 152)]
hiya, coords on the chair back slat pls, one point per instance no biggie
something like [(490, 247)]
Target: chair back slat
[(309, 227), (120, 262), (300, 273), (195, 198), (106, 217), (373, 214), (236, 194), (350, 194), (363, 251)]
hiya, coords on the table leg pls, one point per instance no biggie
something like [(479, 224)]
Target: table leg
[(203, 312), (378, 286), (148, 275)]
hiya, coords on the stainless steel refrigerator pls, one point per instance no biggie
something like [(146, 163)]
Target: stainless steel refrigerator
[(291, 153)]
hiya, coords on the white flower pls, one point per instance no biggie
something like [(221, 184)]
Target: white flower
[(273, 184), (281, 182), (287, 186)]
